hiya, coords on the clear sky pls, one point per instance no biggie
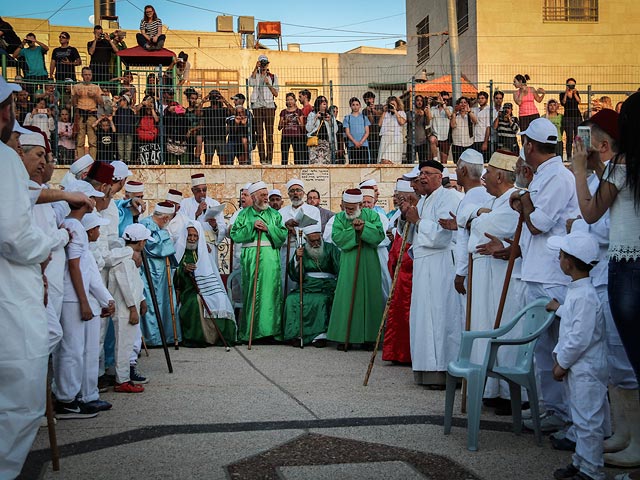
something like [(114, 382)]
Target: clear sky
[(321, 26)]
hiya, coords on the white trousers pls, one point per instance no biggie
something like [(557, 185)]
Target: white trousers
[(137, 346), (75, 364), (552, 393), (126, 335), (54, 327)]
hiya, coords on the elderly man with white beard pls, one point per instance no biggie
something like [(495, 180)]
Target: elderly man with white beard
[(320, 263), (295, 190), (436, 316)]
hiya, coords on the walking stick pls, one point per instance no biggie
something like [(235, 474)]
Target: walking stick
[(173, 309), (301, 294), (396, 273), (255, 287), (353, 294), (144, 345), (192, 276), (467, 327), (507, 277), (154, 300), (51, 425)]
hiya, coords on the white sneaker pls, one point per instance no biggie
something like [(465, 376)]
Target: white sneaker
[(549, 423)]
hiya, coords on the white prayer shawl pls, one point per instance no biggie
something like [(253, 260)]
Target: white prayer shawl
[(237, 249), (23, 359), (188, 208), (437, 315), (328, 230), (383, 255), (287, 213), (177, 225), (470, 203), (207, 275), (488, 279)]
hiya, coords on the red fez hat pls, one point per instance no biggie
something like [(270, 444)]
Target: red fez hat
[(175, 192), (607, 120), (101, 172)]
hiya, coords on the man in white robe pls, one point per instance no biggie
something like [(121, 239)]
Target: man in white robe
[(436, 317), (368, 201), (195, 208), (178, 223), (295, 190)]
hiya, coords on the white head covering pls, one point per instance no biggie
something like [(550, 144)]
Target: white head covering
[(91, 220), (80, 164), (32, 139), (275, 191), (120, 170), (315, 228), (353, 195), (198, 179), (7, 89), (368, 191), (580, 244), (246, 186), (254, 187), (370, 182), (174, 196), (159, 208), (404, 186), (414, 173), (20, 129), (83, 187), (134, 187), (136, 232), (295, 181), (472, 156)]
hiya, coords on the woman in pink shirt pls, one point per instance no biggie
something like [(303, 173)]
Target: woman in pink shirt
[(524, 97)]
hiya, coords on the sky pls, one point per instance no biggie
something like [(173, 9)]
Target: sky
[(319, 26)]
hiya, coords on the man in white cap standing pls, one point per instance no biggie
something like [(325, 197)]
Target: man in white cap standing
[(260, 226), (370, 182), (265, 90), (357, 232), (320, 266), (550, 201), (195, 208), (157, 253), (23, 371), (436, 317), (179, 221), (275, 199), (295, 190)]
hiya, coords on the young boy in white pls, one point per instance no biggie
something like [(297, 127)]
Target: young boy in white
[(85, 298), (125, 284), (581, 355)]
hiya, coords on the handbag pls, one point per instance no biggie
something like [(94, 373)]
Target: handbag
[(312, 141)]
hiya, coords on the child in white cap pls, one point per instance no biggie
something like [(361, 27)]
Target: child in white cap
[(125, 284), (581, 355)]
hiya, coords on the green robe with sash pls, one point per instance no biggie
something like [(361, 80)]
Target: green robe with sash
[(317, 294), (268, 303), (368, 301)]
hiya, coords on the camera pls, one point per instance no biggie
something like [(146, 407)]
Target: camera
[(26, 40), (103, 36), (264, 63), (571, 87)]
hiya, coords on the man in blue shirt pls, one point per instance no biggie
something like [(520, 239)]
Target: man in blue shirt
[(33, 52)]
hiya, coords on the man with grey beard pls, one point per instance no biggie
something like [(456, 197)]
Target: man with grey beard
[(320, 266)]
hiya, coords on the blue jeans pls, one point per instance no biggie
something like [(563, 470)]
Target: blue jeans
[(624, 299)]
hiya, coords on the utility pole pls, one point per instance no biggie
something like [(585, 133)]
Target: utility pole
[(454, 50)]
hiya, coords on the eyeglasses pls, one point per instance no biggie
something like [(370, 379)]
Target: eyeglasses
[(148, 11), (62, 36), (424, 174), (296, 190)]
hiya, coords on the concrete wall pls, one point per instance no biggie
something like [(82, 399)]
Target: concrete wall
[(225, 182)]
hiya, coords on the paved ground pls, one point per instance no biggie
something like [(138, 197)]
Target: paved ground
[(284, 413)]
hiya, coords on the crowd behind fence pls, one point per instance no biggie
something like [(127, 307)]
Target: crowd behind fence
[(148, 116)]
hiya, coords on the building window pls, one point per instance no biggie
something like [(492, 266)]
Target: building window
[(423, 41), (462, 7), (570, 11)]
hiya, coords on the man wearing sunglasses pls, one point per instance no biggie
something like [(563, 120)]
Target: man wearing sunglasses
[(64, 60)]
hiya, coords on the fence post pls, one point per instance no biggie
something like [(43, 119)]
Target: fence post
[(491, 146), (332, 133), (160, 79), (588, 102), (412, 108), (249, 120)]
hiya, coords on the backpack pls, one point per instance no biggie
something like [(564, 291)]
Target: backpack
[(147, 130)]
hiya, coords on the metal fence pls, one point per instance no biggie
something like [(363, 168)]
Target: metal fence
[(150, 117)]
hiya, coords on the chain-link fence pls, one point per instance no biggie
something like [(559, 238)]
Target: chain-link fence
[(373, 113)]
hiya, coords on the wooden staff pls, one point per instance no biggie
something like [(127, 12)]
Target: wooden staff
[(154, 301), (192, 276), (144, 345), (467, 327), (173, 309), (255, 288), (301, 294), (507, 277), (396, 273), (51, 424), (353, 294)]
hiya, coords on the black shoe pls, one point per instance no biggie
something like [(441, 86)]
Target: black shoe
[(319, 343), (566, 473), (99, 405), (105, 381), (563, 444), (136, 377), (75, 409), (491, 402)]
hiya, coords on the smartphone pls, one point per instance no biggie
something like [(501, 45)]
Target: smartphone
[(585, 135), (42, 110)]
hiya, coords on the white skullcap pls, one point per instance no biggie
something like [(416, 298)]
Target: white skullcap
[(164, 207), (134, 187), (472, 156), (120, 170), (92, 220), (136, 232), (353, 195), (370, 182), (404, 186), (80, 164), (32, 139), (198, 179), (254, 187), (315, 228), (294, 181), (275, 191)]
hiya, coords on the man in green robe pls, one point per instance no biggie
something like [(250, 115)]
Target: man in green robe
[(260, 225), (357, 229), (198, 329), (320, 266)]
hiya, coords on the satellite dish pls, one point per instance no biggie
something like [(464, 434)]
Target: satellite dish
[(92, 19)]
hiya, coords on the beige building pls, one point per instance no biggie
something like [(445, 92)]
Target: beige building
[(593, 41)]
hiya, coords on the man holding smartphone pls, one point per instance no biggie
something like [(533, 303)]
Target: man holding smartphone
[(64, 60), (265, 90), (33, 53)]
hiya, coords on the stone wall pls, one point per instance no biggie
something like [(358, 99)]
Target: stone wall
[(225, 181)]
